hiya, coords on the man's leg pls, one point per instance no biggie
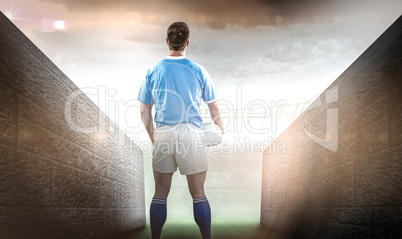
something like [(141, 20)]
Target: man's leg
[(158, 211), (202, 210)]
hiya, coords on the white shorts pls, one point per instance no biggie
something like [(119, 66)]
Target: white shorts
[(181, 145)]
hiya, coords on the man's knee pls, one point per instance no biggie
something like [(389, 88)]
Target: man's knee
[(162, 184), (162, 190), (196, 184)]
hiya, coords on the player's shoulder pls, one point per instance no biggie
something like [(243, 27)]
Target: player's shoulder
[(155, 67), (198, 67)]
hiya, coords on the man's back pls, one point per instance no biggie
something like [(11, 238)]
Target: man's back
[(177, 86)]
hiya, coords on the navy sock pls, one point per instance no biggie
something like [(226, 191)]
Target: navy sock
[(157, 216), (202, 216)]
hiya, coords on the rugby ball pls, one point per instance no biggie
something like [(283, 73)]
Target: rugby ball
[(212, 133)]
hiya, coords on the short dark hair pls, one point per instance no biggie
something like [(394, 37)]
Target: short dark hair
[(177, 35)]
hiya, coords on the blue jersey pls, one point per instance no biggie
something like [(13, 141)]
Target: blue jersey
[(176, 86)]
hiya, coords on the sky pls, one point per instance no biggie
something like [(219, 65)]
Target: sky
[(266, 53)]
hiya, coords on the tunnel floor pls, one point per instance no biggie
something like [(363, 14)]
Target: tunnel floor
[(187, 228)]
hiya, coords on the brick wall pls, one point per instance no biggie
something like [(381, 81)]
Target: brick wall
[(56, 182), (348, 182)]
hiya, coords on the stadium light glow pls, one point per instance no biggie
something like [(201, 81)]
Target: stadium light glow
[(60, 25), (51, 25)]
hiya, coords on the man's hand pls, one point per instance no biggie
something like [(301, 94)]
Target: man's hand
[(146, 116), (216, 117)]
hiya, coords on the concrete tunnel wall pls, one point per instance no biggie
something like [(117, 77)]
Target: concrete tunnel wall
[(56, 182), (349, 185)]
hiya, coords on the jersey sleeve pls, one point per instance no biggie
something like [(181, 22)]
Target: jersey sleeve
[(209, 91), (145, 92)]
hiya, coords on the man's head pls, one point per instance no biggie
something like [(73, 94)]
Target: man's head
[(177, 36)]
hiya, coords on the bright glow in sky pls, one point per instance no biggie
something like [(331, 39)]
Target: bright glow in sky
[(279, 51), (60, 24)]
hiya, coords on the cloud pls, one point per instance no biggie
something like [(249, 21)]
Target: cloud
[(287, 54), (213, 13), (148, 34)]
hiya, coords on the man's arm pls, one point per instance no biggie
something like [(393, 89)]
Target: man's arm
[(146, 116), (216, 115)]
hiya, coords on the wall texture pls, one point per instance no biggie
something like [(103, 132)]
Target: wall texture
[(56, 182), (348, 182)]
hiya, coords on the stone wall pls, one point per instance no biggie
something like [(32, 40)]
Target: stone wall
[(341, 173), (56, 182)]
